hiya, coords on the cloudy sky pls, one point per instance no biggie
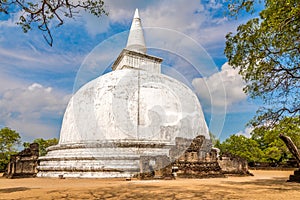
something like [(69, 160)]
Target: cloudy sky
[(37, 81)]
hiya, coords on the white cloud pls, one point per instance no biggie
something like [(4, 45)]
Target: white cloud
[(20, 55), (121, 11), (32, 109), (221, 89), (168, 15), (31, 99), (195, 18), (7, 82), (29, 58), (214, 5), (31, 129), (246, 132), (95, 25), (12, 20)]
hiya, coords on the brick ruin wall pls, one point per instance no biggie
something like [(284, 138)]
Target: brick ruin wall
[(23, 164), (192, 159)]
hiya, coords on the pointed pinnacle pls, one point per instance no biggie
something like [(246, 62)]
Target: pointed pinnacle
[(136, 14)]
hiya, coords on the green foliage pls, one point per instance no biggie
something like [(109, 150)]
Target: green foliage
[(8, 141), (274, 148), (273, 154), (246, 148), (266, 51), (264, 144), (43, 14), (43, 144), (236, 6)]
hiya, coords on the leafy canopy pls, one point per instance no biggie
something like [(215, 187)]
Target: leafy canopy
[(274, 148), (45, 14), (264, 144), (266, 51), (241, 146), (8, 141)]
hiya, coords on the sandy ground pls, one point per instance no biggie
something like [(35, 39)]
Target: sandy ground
[(263, 185)]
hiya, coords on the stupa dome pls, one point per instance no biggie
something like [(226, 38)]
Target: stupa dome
[(133, 104)]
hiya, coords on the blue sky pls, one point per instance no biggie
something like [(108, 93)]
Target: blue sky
[(36, 80)]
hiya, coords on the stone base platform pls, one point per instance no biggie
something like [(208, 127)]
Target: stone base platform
[(295, 177), (99, 160)]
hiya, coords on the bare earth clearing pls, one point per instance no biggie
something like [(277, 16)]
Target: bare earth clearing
[(264, 185)]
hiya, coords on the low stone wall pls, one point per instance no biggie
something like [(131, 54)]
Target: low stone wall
[(198, 169), (234, 165)]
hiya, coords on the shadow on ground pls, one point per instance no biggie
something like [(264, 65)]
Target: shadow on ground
[(277, 184), (145, 192), (250, 189), (15, 189)]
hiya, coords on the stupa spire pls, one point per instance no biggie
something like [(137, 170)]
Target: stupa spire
[(136, 40)]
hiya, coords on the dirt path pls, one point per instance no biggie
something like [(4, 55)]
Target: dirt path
[(264, 185)]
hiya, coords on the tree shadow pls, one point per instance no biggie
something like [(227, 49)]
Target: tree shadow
[(277, 184), (143, 190), (147, 192), (15, 189)]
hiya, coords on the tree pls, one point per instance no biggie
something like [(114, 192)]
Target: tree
[(266, 51), (8, 141), (44, 13), (246, 148), (264, 144), (43, 144), (273, 147)]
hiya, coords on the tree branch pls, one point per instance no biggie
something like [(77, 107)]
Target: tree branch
[(44, 12)]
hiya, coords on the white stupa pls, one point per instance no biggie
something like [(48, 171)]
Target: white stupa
[(132, 112)]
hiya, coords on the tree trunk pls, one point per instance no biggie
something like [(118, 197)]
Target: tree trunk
[(293, 149), (291, 146)]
